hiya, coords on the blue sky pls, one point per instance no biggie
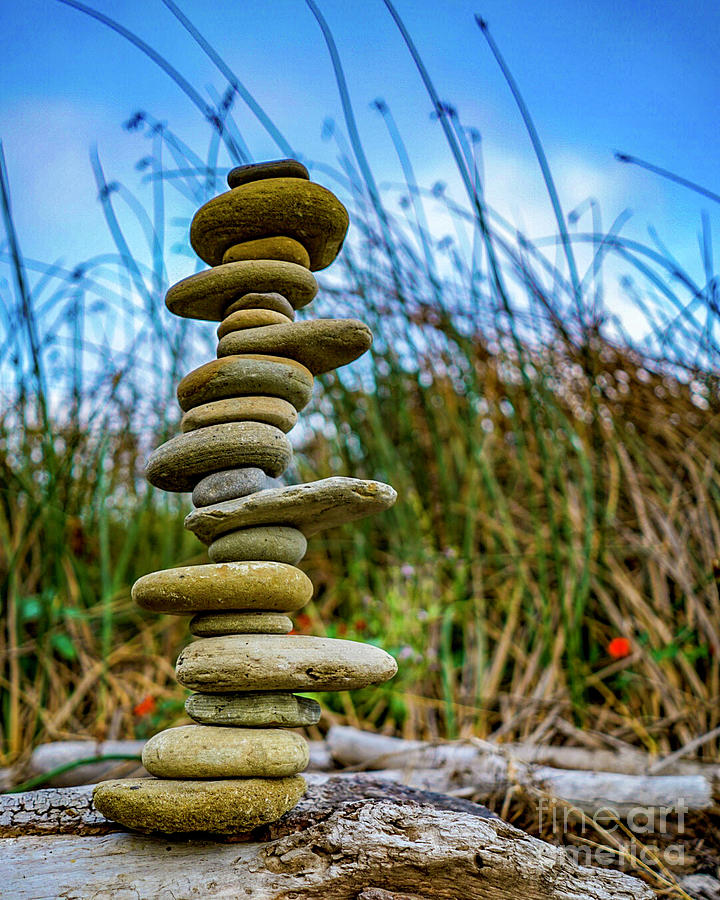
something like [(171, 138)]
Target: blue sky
[(638, 76)]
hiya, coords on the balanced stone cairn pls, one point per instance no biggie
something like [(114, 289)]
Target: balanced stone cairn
[(238, 766)]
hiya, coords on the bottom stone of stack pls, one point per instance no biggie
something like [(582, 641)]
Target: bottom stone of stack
[(228, 806)]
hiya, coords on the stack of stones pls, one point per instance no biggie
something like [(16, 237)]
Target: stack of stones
[(238, 766)]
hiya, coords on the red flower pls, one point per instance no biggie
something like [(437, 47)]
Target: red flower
[(619, 647), (360, 624), (303, 622), (145, 706)]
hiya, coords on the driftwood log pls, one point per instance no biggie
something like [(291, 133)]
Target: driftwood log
[(482, 770), (348, 838)]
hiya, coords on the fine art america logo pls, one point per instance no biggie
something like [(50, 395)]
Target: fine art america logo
[(632, 827)]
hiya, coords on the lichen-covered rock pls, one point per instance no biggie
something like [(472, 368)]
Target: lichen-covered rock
[(254, 709), (224, 586), (307, 212), (269, 248), (210, 751), (271, 410), (267, 662), (180, 463), (237, 622), (319, 344), (243, 376), (277, 542), (227, 806), (308, 507), (208, 294)]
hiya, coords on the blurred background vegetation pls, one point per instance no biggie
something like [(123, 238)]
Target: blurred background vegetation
[(551, 562)]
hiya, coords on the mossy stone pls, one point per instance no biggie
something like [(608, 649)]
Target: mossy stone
[(277, 542), (227, 806), (211, 751), (251, 318), (319, 344), (254, 709), (274, 662), (276, 168), (294, 207), (271, 410), (208, 294), (178, 464), (243, 376), (224, 586), (269, 248), (236, 622)]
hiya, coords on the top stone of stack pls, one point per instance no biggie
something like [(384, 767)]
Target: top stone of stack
[(271, 200)]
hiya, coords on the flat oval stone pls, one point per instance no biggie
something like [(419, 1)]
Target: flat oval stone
[(277, 168), (254, 709), (207, 294), (319, 344), (251, 318), (224, 586), (207, 751), (269, 248), (227, 806), (178, 464), (271, 410), (273, 542), (235, 622), (308, 507), (242, 376), (294, 207), (227, 485), (270, 300), (273, 662)]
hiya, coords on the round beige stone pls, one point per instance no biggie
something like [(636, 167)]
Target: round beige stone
[(276, 168), (227, 806), (207, 294), (294, 207), (273, 301), (224, 586), (208, 751), (254, 709), (274, 542), (243, 376), (319, 344), (271, 410), (251, 318), (272, 662), (269, 248), (309, 507), (178, 464), (234, 622)]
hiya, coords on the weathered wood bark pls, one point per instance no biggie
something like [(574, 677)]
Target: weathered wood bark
[(486, 770), (349, 839)]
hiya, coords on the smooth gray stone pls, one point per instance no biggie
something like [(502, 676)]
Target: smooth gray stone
[(228, 485), (309, 507), (278, 543), (281, 662), (239, 622), (254, 709)]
